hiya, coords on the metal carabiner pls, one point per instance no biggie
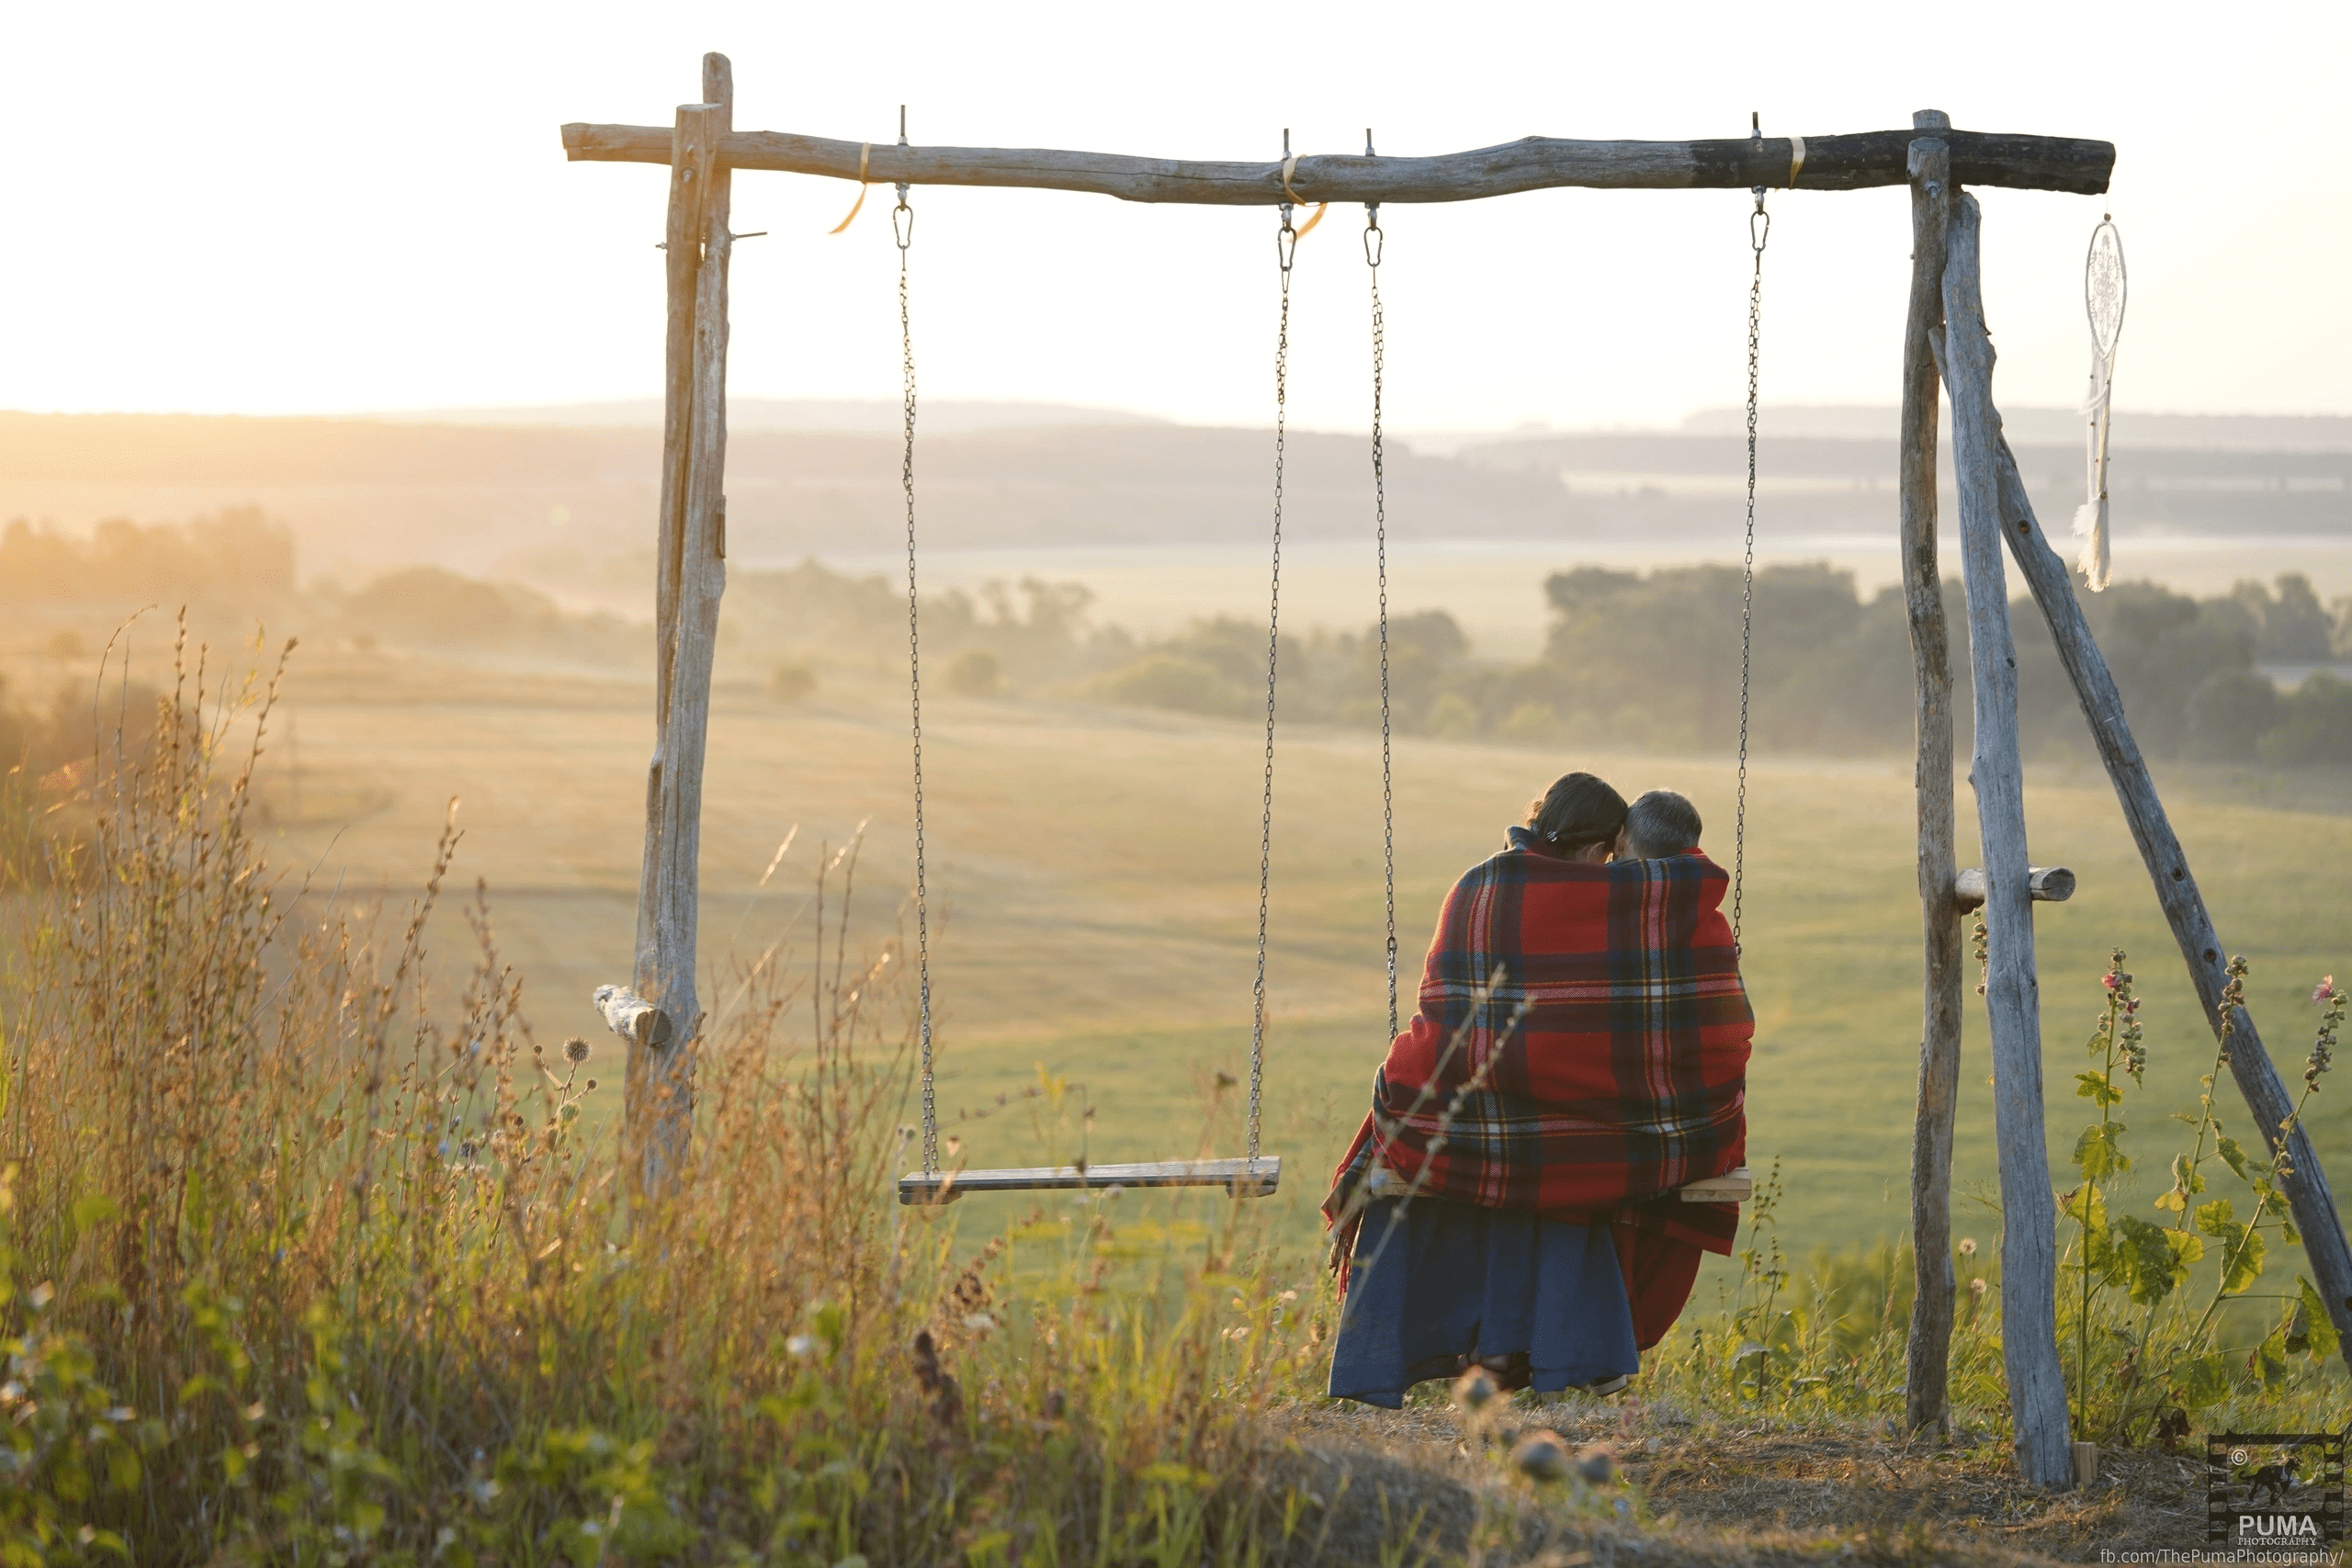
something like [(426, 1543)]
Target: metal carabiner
[(904, 235), (1285, 240), (1759, 227), (1375, 240)]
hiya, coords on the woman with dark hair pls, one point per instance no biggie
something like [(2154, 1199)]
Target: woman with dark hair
[(1579, 1053), (1580, 817)]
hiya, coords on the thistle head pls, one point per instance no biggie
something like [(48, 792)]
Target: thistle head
[(1476, 1389), (1597, 1466), (1541, 1457)]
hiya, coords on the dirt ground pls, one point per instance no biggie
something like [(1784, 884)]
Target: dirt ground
[(1423, 1486)]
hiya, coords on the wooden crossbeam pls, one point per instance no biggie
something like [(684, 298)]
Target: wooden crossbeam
[(1243, 1177), (1534, 162)]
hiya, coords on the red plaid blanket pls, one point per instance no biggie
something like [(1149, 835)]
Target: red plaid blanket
[(1625, 1076)]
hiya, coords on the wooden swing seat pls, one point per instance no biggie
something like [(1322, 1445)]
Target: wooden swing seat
[(1732, 1187), (1239, 1177)]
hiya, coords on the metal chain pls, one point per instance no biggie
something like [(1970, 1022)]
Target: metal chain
[(902, 226), (1760, 230), (1375, 245), (1285, 251)]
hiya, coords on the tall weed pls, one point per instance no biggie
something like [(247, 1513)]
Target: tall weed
[(328, 1264), (2161, 1326)]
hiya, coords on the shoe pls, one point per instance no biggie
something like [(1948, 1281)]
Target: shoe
[(1602, 1388)]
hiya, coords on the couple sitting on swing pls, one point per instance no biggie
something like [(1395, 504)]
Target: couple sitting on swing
[(1579, 1054)]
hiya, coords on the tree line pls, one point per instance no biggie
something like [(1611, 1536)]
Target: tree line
[(1638, 660)]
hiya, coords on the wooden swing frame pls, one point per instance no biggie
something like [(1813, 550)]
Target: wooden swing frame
[(1945, 344)]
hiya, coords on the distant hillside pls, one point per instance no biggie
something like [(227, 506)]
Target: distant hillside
[(862, 415), (2195, 432), (362, 495)]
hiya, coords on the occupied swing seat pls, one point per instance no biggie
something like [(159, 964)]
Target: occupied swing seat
[(1437, 1285)]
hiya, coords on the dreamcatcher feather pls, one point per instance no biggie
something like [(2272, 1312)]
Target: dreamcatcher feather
[(2104, 289)]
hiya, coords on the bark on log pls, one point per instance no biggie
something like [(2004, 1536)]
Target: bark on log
[(2029, 1228), (1927, 1374), (1534, 162), (2044, 885), (631, 1017), (2257, 1078), (658, 1096)]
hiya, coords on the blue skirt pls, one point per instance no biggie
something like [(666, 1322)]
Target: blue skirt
[(1460, 1282)]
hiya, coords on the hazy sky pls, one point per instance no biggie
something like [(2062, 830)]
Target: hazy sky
[(313, 208)]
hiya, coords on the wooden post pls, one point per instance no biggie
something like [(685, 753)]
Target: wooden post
[(2184, 906), (1927, 1375), (690, 575), (2029, 1220)]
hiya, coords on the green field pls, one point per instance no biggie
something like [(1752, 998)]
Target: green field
[(1094, 877)]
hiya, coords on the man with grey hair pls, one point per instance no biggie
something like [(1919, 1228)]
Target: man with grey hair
[(1659, 825)]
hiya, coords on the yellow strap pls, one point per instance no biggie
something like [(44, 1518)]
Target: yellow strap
[(1796, 159), (865, 148), (1290, 167)]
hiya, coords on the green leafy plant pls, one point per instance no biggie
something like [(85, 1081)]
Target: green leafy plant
[(2155, 1355)]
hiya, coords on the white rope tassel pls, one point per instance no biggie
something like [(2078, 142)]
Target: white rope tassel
[(2092, 558), (2103, 298)]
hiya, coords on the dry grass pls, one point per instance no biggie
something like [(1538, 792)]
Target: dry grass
[(1710, 1491), (337, 1273)]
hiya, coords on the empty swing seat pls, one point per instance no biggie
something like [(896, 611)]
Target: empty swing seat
[(1731, 1187), (1239, 1177)]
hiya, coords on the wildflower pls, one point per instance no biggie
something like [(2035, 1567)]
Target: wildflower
[(575, 1050), (1968, 1246), (946, 1397), (979, 1322), (2322, 1055), (1541, 1456), (1977, 1289), (801, 1346)]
